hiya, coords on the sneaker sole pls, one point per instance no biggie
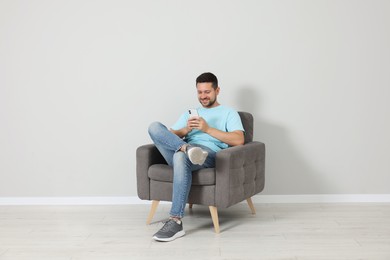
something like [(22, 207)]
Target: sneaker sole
[(168, 239), (197, 156)]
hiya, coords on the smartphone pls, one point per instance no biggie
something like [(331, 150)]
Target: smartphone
[(193, 112)]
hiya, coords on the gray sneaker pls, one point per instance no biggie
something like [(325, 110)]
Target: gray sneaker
[(170, 231)]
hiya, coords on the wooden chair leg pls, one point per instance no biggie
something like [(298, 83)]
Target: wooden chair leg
[(214, 216), (251, 206), (190, 205), (152, 211)]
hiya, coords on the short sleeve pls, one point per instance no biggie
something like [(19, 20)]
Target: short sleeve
[(233, 122)]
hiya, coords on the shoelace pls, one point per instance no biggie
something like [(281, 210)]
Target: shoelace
[(167, 224)]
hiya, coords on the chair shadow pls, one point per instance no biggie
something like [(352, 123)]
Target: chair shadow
[(287, 170), (229, 218)]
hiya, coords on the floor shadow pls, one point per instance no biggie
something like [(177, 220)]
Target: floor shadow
[(158, 221), (287, 170), (229, 218)]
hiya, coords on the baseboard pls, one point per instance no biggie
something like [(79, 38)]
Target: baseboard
[(132, 200), (322, 198), (71, 201)]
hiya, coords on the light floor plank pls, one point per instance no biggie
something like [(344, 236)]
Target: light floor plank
[(277, 231)]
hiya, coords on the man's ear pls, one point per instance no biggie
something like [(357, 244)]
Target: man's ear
[(217, 90)]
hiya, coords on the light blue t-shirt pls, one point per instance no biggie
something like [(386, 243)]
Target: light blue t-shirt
[(221, 117)]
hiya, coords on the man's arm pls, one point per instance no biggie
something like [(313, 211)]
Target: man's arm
[(231, 138), (181, 132), (185, 130)]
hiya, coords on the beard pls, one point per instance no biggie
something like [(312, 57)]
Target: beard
[(209, 103)]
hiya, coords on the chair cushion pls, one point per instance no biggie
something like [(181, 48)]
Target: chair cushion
[(164, 173)]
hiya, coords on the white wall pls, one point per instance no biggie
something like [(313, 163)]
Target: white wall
[(81, 80)]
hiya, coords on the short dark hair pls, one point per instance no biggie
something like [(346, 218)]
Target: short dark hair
[(208, 77)]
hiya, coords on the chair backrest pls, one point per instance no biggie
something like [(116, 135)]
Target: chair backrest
[(247, 122)]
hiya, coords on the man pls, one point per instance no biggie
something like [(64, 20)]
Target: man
[(192, 144)]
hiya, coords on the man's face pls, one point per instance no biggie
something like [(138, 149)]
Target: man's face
[(207, 95)]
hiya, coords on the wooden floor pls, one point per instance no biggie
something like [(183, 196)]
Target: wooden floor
[(277, 231)]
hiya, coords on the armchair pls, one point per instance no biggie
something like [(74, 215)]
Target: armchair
[(238, 175)]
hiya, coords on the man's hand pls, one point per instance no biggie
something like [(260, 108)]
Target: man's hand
[(197, 123), (192, 123)]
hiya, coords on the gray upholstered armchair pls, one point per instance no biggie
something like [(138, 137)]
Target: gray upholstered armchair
[(237, 176)]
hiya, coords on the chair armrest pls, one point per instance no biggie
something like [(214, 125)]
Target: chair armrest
[(239, 173), (146, 156)]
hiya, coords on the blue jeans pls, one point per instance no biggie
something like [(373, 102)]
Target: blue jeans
[(169, 146)]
